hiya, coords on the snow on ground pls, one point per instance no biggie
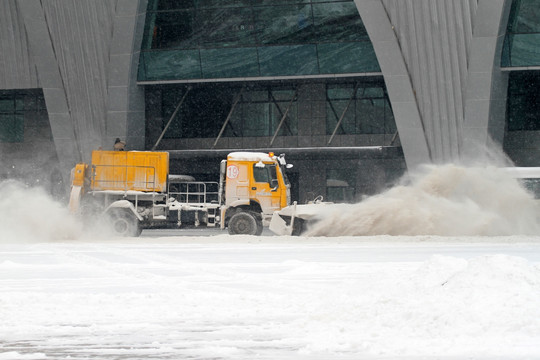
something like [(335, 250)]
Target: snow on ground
[(66, 293), (223, 297)]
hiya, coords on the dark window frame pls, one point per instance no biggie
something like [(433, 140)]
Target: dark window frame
[(354, 117)]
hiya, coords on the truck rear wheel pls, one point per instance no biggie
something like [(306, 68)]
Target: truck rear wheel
[(243, 223), (124, 223)]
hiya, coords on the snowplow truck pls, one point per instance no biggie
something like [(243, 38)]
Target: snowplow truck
[(133, 190)]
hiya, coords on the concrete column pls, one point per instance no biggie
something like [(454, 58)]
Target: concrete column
[(125, 102), (485, 102), (398, 82)]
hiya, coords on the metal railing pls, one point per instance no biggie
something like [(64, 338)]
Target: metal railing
[(194, 192)]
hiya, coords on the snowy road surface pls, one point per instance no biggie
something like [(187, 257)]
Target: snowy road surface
[(222, 297)]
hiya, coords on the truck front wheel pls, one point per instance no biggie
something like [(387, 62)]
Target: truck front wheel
[(243, 223), (124, 223)]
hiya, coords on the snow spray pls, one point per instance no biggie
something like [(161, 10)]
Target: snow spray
[(446, 200), (29, 214)]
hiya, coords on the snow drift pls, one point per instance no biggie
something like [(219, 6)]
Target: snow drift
[(444, 200), (271, 298)]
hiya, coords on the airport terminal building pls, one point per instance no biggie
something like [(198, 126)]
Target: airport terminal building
[(355, 93)]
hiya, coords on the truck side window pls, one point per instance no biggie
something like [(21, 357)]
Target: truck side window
[(273, 176), (260, 174), (267, 174)]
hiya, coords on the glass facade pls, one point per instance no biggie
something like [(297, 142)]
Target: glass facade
[(523, 101), (253, 38), (340, 185), (522, 42), (258, 112), (363, 109), (266, 109), (14, 105)]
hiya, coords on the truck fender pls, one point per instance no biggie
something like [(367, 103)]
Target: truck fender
[(124, 204), (237, 203)]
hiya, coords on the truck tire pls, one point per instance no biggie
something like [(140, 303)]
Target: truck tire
[(243, 223), (124, 223), (259, 226)]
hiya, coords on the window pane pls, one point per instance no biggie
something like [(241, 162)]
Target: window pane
[(525, 49), (228, 63), (280, 94), (369, 113), (524, 101), (528, 17), (347, 58), (11, 128), (289, 125), (338, 22), (30, 102), (343, 92), (234, 126), (255, 95), (370, 92), (335, 109), (174, 30), (7, 105), (273, 173), (288, 60), (6, 125), (389, 120), (284, 24), (340, 185), (18, 128), (169, 4), (522, 42), (225, 27), (169, 65), (260, 174), (256, 120)]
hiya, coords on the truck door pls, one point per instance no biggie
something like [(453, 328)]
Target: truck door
[(237, 182), (265, 187)]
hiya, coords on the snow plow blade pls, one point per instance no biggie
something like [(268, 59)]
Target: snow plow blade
[(295, 219)]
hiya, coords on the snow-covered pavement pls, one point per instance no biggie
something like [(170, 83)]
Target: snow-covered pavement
[(222, 297)]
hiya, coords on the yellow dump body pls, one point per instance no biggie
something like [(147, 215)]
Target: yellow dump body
[(130, 170)]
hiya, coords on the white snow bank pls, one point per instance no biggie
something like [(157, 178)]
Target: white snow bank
[(442, 200), (13, 355), (30, 214), (240, 300)]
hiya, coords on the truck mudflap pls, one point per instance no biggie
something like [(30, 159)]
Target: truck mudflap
[(295, 219)]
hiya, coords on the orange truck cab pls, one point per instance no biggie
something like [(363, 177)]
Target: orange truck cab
[(255, 186)]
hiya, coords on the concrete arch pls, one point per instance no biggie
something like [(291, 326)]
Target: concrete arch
[(398, 82), (485, 104)]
